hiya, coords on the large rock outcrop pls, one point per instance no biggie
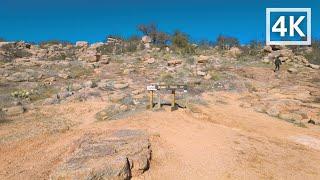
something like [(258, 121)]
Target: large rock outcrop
[(119, 155)]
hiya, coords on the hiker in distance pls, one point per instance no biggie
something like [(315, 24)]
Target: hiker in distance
[(277, 63)]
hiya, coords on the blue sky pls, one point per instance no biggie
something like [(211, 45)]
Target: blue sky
[(92, 20)]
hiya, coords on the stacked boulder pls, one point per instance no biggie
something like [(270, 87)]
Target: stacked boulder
[(285, 55), (86, 53), (234, 52), (146, 40), (82, 44), (114, 41)]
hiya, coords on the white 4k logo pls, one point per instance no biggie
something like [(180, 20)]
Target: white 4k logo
[(291, 28), (294, 26)]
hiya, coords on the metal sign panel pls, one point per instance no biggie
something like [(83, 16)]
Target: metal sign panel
[(167, 87), (152, 88)]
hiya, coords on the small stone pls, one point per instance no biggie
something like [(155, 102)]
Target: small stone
[(82, 44), (15, 110), (245, 105), (117, 97), (292, 70), (313, 66), (203, 59), (89, 84), (19, 77), (146, 39), (174, 62), (266, 60), (201, 73), (290, 116), (267, 49), (121, 86), (105, 59), (207, 77), (273, 111), (151, 61), (52, 100), (63, 76)]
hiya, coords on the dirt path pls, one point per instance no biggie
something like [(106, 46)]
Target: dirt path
[(227, 141), (222, 141)]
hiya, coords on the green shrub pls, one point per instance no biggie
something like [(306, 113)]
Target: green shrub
[(205, 44), (23, 94), (60, 56), (124, 45), (157, 37), (2, 116), (131, 47), (215, 75), (190, 60), (14, 52), (43, 91), (166, 78), (106, 49), (314, 56), (225, 42), (43, 44), (78, 71), (180, 43)]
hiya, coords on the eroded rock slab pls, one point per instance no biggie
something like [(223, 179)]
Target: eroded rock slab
[(117, 155)]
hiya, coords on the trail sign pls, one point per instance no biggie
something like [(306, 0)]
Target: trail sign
[(152, 88), (173, 88)]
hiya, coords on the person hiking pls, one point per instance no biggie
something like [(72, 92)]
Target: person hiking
[(277, 63)]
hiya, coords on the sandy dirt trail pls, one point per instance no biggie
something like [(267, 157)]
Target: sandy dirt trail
[(222, 141), (226, 141)]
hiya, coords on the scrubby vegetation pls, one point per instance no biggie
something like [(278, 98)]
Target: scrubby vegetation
[(226, 42), (23, 94), (314, 55), (157, 37), (47, 43), (180, 43), (14, 52)]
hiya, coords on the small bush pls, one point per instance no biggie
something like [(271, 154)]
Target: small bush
[(79, 71), (190, 60), (14, 52), (2, 116), (106, 49), (254, 48), (132, 44), (157, 37), (166, 78), (23, 94), (205, 44), (314, 56), (180, 43), (43, 44), (251, 87), (225, 42), (43, 91), (59, 56), (215, 75)]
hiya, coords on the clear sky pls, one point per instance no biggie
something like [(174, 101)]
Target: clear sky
[(92, 20)]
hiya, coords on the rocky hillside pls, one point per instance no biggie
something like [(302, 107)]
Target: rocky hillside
[(37, 79)]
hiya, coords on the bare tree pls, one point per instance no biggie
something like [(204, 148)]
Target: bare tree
[(157, 37)]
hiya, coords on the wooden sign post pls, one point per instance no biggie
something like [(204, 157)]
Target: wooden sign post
[(151, 89), (173, 102), (173, 88)]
